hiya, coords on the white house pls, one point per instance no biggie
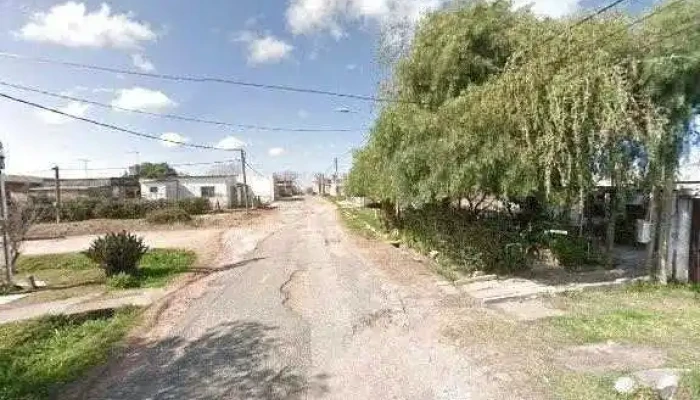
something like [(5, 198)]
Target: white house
[(223, 191)]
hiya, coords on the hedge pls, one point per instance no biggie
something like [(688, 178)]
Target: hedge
[(91, 208)]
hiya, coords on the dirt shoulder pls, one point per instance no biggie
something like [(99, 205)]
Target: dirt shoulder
[(570, 354), (226, 220)]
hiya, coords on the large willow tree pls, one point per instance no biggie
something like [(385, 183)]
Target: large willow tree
[(497, 101)]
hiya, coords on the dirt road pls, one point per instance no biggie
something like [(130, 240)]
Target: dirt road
[(305, 317)]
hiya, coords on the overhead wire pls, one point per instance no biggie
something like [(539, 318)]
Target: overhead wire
[(191, 164), (166, 115), (114, 127), (197, 79)]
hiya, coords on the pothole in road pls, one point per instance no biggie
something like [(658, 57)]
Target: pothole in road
[(383, 318), (292, 287)]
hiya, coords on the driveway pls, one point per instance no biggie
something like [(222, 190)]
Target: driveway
[(304, 317)]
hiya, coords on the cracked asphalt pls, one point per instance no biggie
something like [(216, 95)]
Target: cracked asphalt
[(307, 318)]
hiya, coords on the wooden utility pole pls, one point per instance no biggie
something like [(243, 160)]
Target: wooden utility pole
[(3, 208), (5, 235), (245, 180), (58, 194)]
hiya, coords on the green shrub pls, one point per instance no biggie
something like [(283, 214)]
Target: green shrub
[(195, 206), (168, 216), (123, 280), (78, 209), (120, 209), (117, 252), (495, 243), (572, 252)]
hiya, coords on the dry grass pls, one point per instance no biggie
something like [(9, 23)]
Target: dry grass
[(99, 226), (664, 318)]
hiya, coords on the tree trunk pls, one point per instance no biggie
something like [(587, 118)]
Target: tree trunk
[(582, 212), (665, 229), (653, 218), (610, 230)]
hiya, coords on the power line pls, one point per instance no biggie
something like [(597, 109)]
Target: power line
[(178, 165), (236, 82), (598, 12), (672, 34), (582, 21), (197, 79), (604, 39), (169, 116), (113, 127), (253, 169)]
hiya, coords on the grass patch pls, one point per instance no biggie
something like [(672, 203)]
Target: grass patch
[(38, 357), (663, 317), (363, 221), (70, 261), (157, 268)]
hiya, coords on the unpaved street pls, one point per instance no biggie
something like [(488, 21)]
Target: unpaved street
[(305, 317)]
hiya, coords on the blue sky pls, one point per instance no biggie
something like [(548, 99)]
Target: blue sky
[(323, 44)]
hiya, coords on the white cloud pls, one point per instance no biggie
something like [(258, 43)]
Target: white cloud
[(303, 114), (139, 98), (231, 142), (310, 16), (550, 8), (73, 108), (173, 137), (264, 49), (71, 24), (276, 151), (313, 16), (351, 67), (142, 63)]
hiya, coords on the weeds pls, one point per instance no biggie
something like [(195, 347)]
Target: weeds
[(37, 357)]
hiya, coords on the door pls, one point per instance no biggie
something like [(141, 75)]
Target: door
[(695, 243)]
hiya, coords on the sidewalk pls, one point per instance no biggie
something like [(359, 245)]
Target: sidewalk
[(76, 305)]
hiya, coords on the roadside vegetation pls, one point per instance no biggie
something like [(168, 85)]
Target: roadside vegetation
[(495, 136), (666, 318), (157, 268), (38, 357), (95, 208), (463, 244)]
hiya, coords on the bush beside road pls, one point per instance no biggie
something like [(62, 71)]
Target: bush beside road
[(157, 268)]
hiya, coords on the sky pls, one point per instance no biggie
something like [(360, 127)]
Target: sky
[(328, 45)]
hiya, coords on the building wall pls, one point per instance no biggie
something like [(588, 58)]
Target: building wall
[(262, 188), (222, 190), (166, 190)]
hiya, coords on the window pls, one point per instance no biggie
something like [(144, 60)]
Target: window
[(153, 189), (208, 191)]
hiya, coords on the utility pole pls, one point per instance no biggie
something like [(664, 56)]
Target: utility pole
[(137, 166), (58, 194), (85, 162), (3, 208), (245, 180), (335, 177)]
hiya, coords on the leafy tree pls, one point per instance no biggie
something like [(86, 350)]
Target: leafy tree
[(495, 101), (154, 170)]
